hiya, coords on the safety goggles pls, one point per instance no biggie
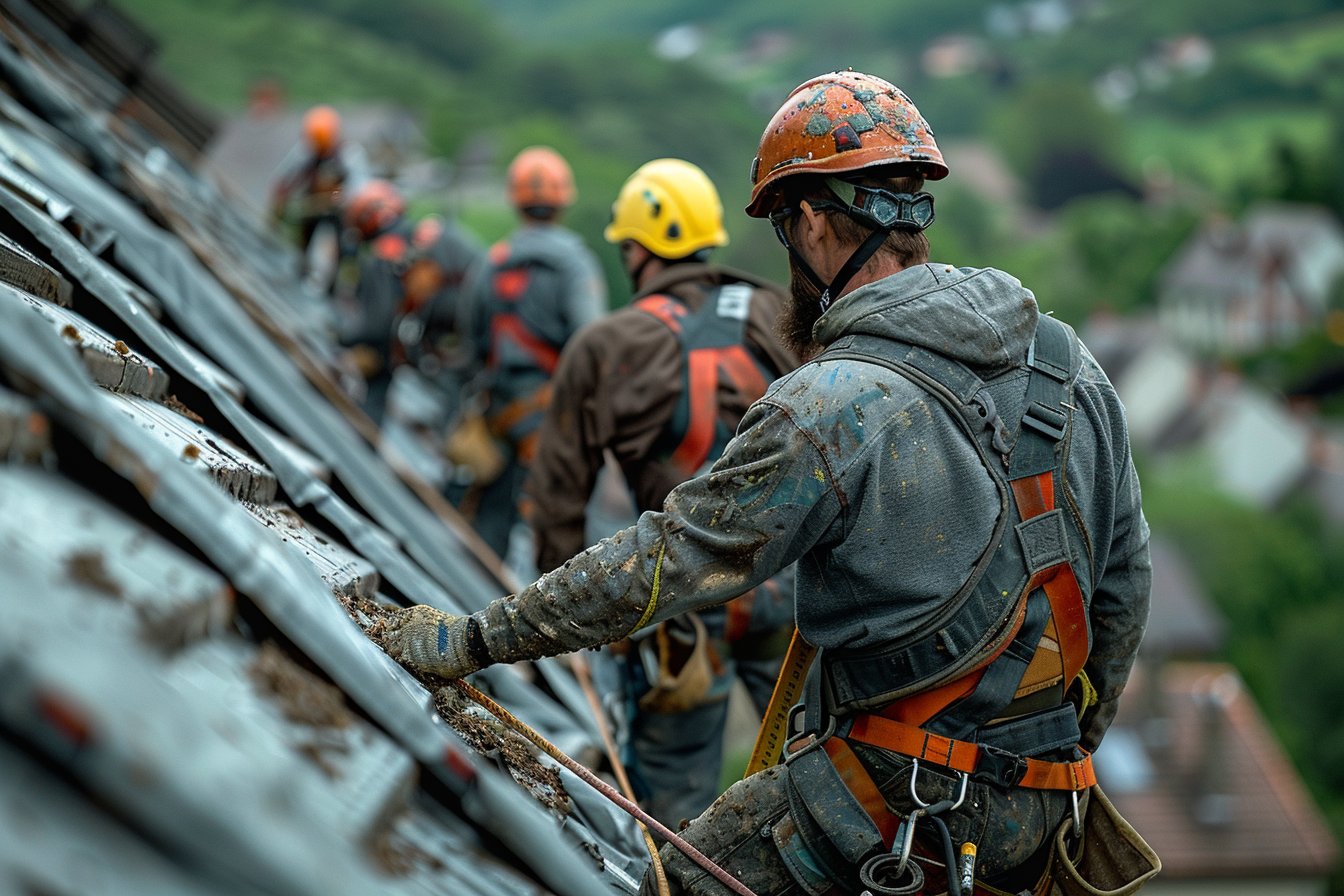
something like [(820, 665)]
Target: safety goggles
[(878, 208)]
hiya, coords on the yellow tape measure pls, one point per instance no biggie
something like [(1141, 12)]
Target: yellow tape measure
[(788, 691)]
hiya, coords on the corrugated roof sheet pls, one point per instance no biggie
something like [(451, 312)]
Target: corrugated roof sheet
[(191, 511)]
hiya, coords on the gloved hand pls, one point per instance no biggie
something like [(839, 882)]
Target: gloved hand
[(424, 639)]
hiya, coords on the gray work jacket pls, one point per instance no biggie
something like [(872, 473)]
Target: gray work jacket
[(867, 481)]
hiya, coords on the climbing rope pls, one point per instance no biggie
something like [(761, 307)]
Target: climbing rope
[(584, 675), (603, 787), (376, 612)]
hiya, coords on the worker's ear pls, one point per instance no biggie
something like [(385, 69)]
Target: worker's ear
[(812, 228)]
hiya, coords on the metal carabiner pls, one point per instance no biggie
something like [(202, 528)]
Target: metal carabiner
[(905, 835), (941, 806), (1077, 815), (818, 737)]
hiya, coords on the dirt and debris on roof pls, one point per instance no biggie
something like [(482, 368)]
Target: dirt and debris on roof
[(191, 513)]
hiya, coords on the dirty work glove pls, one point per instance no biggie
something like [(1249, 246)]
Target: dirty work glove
[(424, 639)]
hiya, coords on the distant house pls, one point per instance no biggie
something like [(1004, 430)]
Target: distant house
[(1238, 287), (1257, 446), (1191, 763)]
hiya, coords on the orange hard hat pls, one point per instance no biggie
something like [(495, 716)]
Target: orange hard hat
[(322, 128), (539, 177), (837, 123), (373, 207)]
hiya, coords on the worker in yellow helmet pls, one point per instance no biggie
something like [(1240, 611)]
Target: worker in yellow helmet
[(661, 385)]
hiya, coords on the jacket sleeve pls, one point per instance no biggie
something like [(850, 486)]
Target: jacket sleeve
[(585, 292), (718, 535), (569, 456), (1120, 604)]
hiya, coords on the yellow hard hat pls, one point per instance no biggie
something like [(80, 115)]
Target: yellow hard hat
[(669, 207)]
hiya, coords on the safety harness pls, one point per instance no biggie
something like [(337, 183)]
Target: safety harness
[(1006, 648), (524, 345), (713, 343)]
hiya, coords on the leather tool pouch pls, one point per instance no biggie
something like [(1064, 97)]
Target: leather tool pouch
[(678, 664), (1111, 859)]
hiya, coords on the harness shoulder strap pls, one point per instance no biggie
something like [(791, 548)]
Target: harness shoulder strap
[(713, 342), (990, 617), (521, 337), (982, 617)]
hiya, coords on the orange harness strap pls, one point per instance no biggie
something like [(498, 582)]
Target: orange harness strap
[(968, 757), (897, 726)]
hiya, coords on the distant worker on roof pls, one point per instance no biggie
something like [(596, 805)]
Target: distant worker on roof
[(951, 470), (313, 181), (538, 286), (376, 214), (662, 385)]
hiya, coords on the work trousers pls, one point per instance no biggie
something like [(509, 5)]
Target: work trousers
[(676, 758)]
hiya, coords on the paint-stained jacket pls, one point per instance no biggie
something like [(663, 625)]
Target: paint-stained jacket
[(865, 480)]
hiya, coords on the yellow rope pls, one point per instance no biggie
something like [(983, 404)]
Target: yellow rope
[(657, 585)]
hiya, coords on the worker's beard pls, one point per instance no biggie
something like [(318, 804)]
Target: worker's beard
[(800, 314)]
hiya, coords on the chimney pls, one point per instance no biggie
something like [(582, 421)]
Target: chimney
[(1211, 799)]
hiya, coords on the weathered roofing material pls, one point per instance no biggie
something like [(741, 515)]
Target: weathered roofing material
[(191, 517)]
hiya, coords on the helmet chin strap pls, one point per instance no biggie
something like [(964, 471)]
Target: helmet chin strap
[(846, 273)]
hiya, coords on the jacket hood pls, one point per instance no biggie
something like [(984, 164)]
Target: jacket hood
[(982, 317)]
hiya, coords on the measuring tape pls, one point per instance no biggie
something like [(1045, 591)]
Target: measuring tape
[(788, 692)]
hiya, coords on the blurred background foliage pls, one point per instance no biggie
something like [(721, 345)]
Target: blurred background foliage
[(1092, 105)]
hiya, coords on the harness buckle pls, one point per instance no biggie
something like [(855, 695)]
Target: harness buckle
[(998, 767), (1045, 420), (797, 732)]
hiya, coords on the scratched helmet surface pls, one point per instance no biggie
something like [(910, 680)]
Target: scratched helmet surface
[(841, 122)]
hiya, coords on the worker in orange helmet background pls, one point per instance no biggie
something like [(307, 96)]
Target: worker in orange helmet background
[(375, 217), (306, 194), (537, 288)]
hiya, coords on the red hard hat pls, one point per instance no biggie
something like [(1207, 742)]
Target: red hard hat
[(539, 177), (373, 207), (837, 123)]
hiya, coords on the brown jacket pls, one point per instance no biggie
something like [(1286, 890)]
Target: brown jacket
[(616, 388)]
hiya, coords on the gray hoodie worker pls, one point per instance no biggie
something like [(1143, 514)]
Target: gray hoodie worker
[(872, 485)]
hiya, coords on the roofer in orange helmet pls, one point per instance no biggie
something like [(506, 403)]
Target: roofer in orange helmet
[(538, 286), (375, 216), (951, 472), (307, 192)]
